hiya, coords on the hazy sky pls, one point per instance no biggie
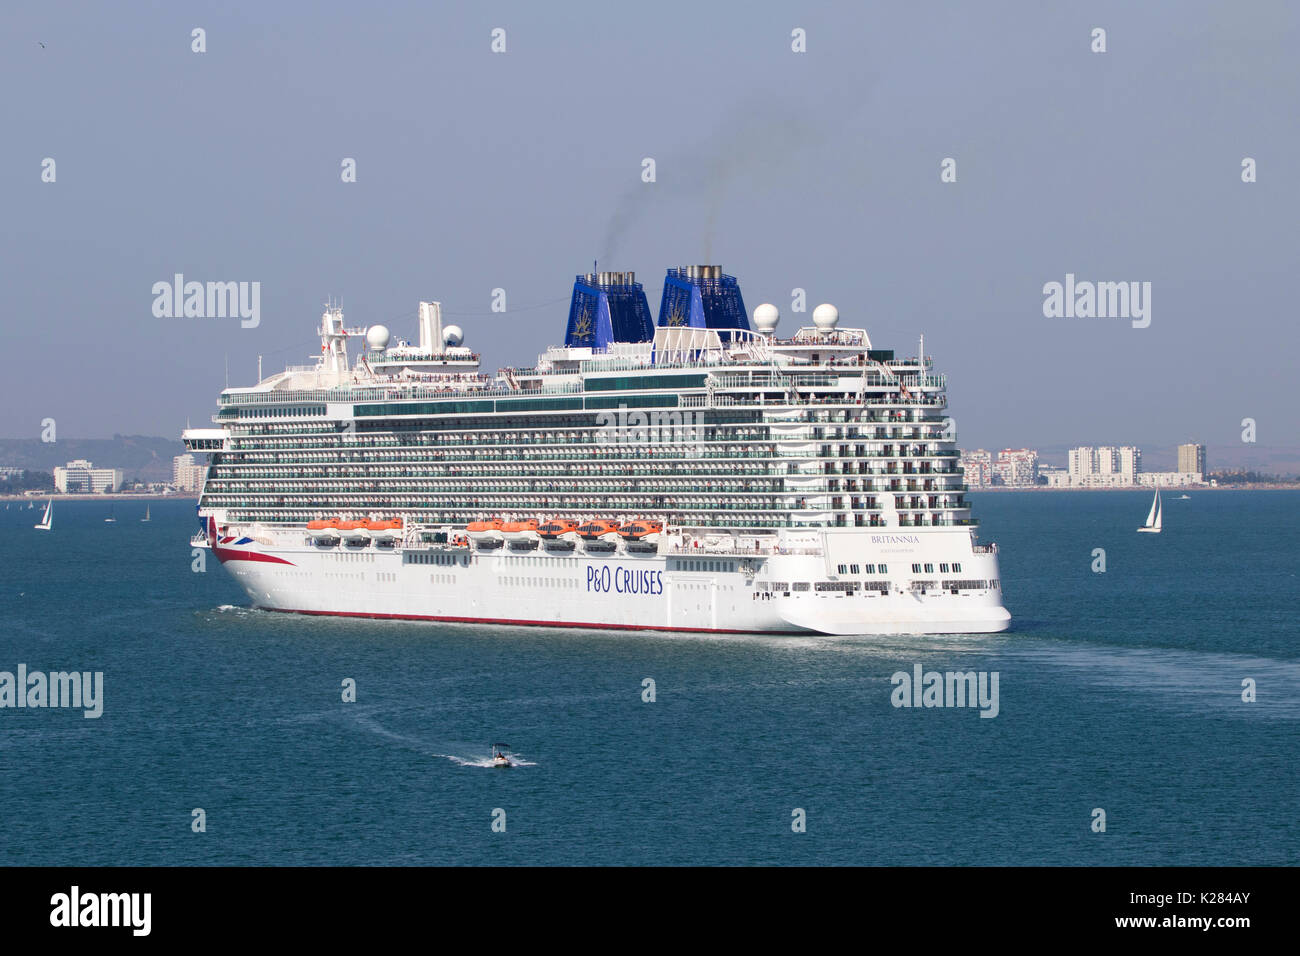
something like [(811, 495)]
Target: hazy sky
[(818, 170)]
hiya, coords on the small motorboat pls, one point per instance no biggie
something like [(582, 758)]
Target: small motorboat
[(501, 757)]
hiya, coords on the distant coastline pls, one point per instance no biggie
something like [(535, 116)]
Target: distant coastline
[(115, 496)]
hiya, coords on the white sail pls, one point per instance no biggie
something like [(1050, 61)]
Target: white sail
[(1155, 510), (1153, 516), (46, 522)]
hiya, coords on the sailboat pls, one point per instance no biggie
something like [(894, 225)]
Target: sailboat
[(146, 513), (1153, 518), (110, 514), (48, 520)]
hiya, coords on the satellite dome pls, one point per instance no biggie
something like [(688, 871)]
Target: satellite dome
[(377, 337), (765, 318), (826, 316), (452, 336)]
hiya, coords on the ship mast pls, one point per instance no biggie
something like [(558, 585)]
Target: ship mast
[(333, 343)]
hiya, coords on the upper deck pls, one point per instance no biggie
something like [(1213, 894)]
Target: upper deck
[(701, 421)]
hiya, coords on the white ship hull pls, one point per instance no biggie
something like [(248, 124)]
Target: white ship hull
[(693, 589), (801, 484)]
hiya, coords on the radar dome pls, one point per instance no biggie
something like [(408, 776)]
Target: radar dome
[(452, 336), (826, 316), (377, 337), (765, 318)]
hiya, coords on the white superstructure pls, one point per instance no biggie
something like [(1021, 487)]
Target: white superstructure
[(700, 476)]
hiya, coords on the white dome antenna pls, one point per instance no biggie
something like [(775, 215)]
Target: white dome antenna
[(452, 336), (826, 317), (377, 337), (766, 316)]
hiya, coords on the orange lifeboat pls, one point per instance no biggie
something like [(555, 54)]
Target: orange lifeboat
[(384, 524), (519, 527), (640, 529), (493, 524), (321, 523), (556, 527), (597, 528), (350, 525)]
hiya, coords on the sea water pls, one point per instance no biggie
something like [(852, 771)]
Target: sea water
[(1120, 691)]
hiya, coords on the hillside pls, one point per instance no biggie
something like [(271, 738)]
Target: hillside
[(140, 457)]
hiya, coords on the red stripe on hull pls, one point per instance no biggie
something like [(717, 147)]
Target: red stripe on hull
[(230, 554), (522, 623)]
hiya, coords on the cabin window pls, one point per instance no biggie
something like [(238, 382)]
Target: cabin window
[(916, 569)]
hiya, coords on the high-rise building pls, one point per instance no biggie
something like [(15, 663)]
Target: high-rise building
[(978, 468), (1083, 462), (186, 475), (1105, 466), (1017, 467), (81, 476), (1191, 458), (1130, 463)]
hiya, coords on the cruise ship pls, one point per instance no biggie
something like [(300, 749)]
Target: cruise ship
[(698, 473)]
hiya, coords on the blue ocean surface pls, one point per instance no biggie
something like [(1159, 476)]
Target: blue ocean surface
[(1120, 691)]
